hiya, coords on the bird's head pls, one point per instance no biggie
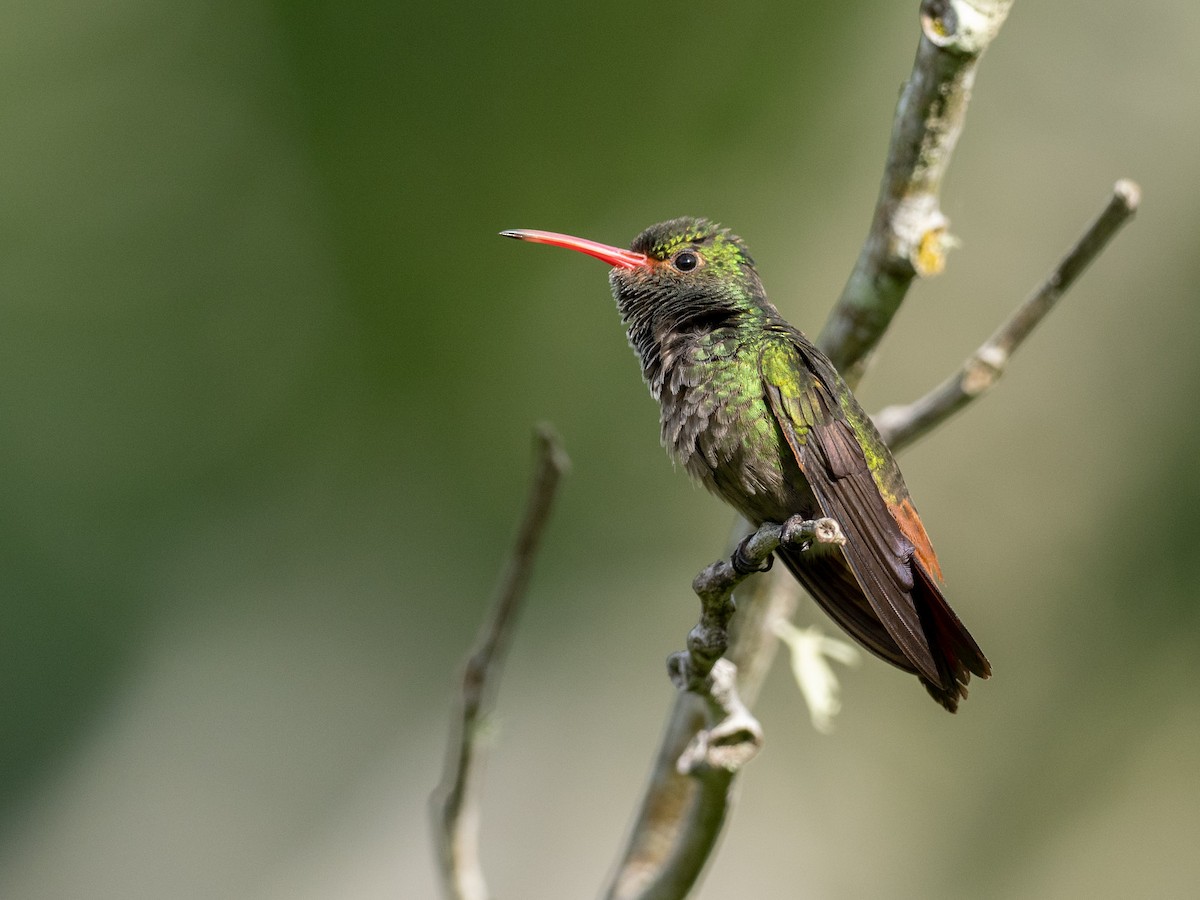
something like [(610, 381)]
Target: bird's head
[(678, 278)]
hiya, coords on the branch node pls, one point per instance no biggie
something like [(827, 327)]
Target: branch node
[(708, 640), (982, 370)]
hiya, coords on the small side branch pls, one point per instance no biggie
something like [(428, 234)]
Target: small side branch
[(692, 669), (901, 425), (453, 804), (909, 233), (711, 732), (735, 737)]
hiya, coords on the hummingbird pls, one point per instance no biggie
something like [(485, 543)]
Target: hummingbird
[(755, 412)]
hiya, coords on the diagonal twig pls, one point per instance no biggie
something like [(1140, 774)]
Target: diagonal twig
[(902, 424), (452, 805)]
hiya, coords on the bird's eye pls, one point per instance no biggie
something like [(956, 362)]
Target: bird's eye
[(686, 260)]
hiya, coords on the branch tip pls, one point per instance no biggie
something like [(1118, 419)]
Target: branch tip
[(1129, 192), (550, 449)]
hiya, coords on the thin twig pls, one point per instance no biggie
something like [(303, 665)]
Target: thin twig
[(901, 425), (453, 804), (909, 233)]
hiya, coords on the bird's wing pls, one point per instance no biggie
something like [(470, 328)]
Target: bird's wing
[(837, 470)]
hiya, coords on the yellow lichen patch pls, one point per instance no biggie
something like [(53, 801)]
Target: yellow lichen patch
[(929, 257)]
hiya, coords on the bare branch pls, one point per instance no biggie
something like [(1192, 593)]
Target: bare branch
[(453, 805), (901, 425), (909, 236)]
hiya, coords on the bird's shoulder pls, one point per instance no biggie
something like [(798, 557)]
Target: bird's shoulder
[(806, 391)]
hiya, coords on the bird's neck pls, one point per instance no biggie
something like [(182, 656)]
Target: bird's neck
[(674, 332)]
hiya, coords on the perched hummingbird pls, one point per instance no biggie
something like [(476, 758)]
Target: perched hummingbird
[(756, 413)]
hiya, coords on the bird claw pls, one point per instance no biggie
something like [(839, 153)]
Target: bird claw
[(742, 562), (797, 531)]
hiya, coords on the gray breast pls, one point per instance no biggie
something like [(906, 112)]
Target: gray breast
[(716, 423)]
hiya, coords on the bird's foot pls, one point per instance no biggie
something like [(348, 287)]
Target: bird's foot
[(743, 562)]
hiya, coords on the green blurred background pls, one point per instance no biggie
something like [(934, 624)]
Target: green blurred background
[(267, 385)]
